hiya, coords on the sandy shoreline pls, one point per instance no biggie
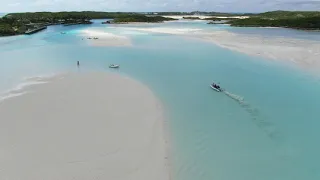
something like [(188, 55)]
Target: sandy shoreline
[(205, 16), (83, 126)]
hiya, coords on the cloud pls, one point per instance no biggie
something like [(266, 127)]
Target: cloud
[(14, 4), (158, 5), (302, 3), (299, 5)]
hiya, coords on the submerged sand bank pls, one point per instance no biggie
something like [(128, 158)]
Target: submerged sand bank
[(177, 31), (83, 126), (304, 53), (104, 38)]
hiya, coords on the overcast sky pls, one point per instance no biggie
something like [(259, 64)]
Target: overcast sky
[(158, 5)]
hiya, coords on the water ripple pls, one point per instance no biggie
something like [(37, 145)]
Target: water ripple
[(268, 127)]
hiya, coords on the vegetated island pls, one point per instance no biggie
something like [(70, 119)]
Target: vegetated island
[(200, 13), (136, 18), (191, 18), (221, 20), (304, 20), (29, 23)]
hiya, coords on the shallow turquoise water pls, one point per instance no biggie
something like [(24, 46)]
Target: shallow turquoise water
[(277, 32), (270, 135)]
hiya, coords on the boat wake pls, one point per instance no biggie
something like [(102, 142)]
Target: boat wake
[(255, 115), (235, 97)]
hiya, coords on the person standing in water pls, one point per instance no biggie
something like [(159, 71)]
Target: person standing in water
[(78, 63)]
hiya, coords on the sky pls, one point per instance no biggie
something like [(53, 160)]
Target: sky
[(157, 5)]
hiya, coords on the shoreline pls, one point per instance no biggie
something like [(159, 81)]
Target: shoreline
[(93, 121)]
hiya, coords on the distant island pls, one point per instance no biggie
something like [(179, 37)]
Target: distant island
[(29, 23), (304, 20), (131, 18), (201, 13), (191, 18)]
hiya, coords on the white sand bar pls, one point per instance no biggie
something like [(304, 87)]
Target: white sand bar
[(176, 31), (203, 16), (104, 38), (83, 126), (304, 53)]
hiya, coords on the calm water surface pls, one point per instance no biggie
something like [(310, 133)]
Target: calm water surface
[(277, 32), (264, 127)]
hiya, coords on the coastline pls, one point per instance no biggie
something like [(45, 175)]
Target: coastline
[(84, 125)]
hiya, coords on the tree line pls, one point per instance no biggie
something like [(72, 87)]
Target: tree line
[(308, 20)]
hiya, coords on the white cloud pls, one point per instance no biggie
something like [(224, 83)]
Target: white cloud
[(14, 4)]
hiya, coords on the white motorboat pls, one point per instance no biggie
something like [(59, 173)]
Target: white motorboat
[(215, 87), (114, 66)]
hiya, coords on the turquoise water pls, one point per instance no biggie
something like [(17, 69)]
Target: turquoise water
[(277, 32), (264, 127)]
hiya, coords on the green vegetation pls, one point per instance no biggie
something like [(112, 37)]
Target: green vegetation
[(289, 14), (192, 18), (10, 27), (309, 23), (219, 22), (139, 18), (19, 23), (55, 17), (289, 19)]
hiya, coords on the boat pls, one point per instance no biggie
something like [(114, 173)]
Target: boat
[(114, 66), (216, 87)]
